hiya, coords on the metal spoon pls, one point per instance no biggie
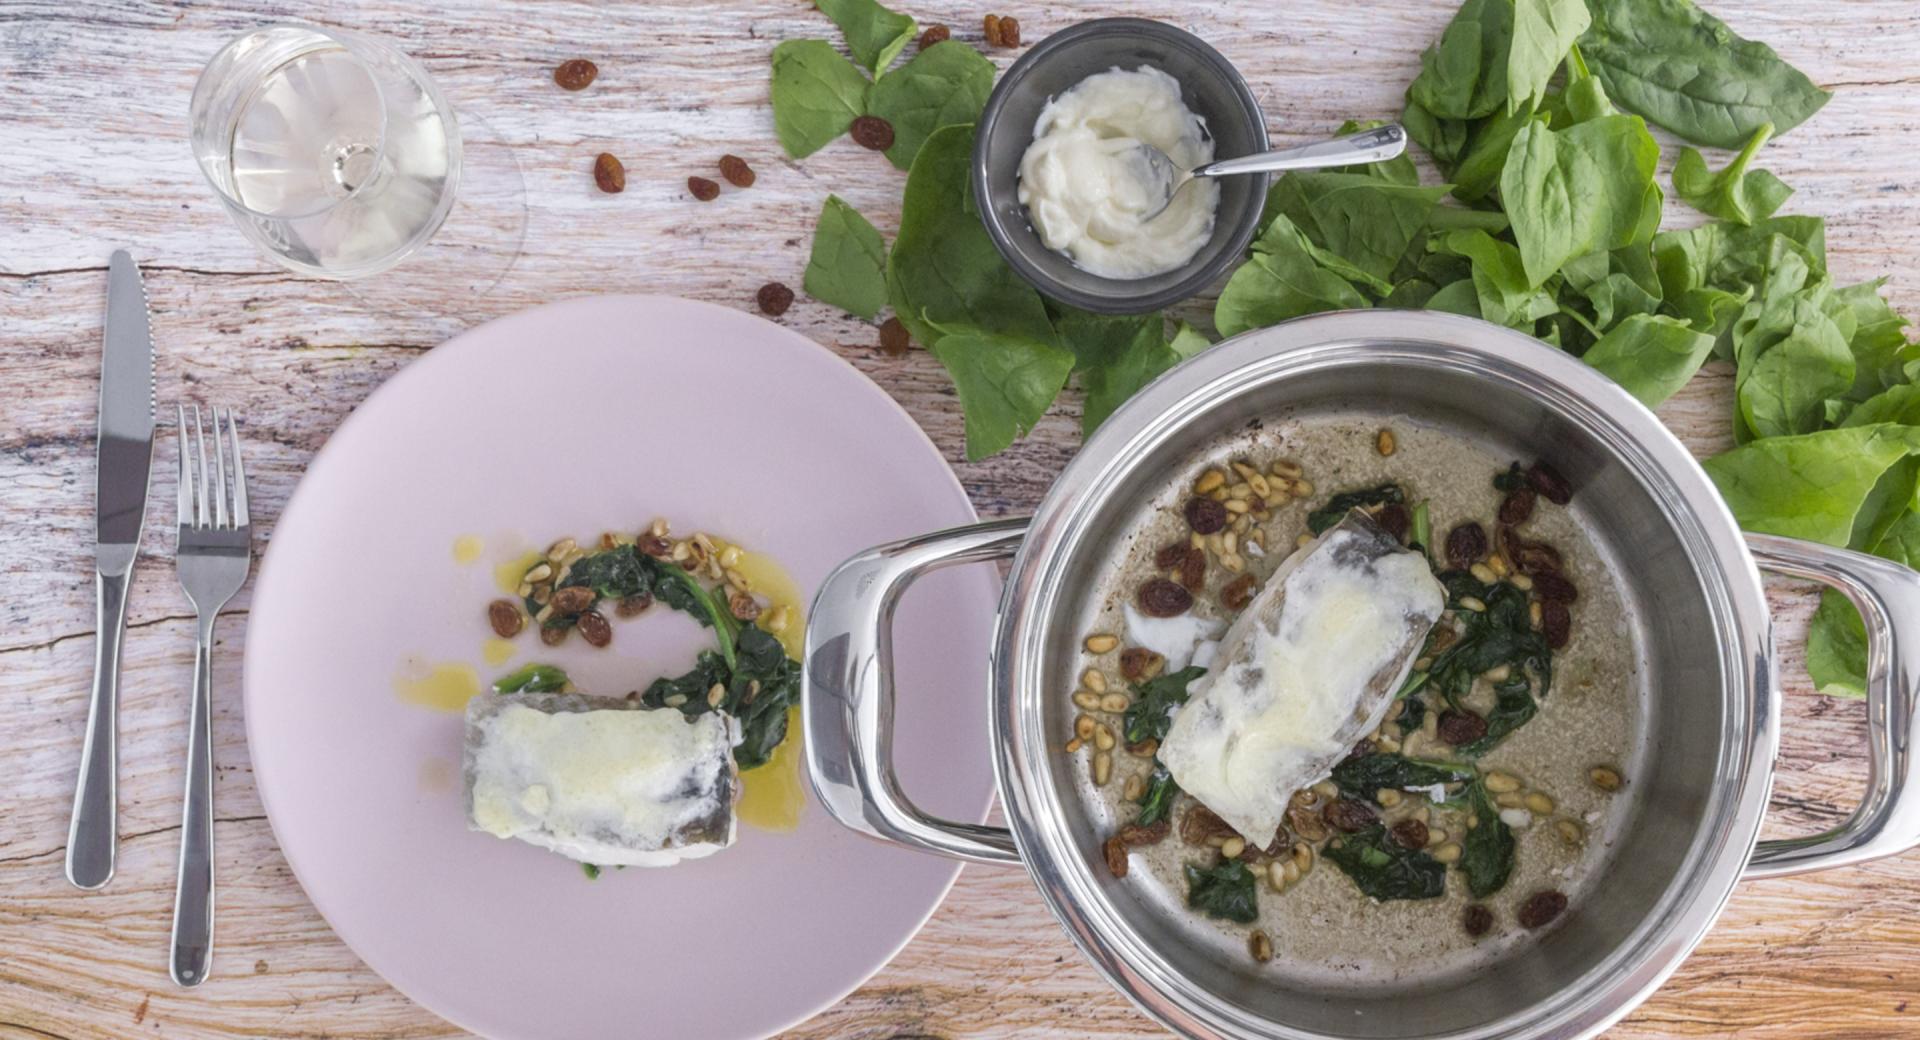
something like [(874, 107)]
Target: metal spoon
[(1368, 146)]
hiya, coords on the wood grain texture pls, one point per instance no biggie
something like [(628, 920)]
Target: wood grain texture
[(94, 155)]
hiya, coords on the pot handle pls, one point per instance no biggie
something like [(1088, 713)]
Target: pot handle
[(1887, 821), (847, 692)]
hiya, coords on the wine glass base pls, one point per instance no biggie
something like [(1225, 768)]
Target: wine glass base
[(476, 247)]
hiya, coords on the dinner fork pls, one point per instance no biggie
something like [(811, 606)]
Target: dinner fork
[(213, 556)]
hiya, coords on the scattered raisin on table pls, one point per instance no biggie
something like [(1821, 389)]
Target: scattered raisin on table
[(1517, 507), (1460, 728), (774, 299), (872, 132), (1205, 515), (1549, 483), (594, 629), (577, 74), (1349, 814), (1477, 919), (1541, 908), (1466, 544), (505, 617), (934, 34), (1163, 599), (736, 171), (894, 338), (1001, 30), (703, 189), (609, 174)]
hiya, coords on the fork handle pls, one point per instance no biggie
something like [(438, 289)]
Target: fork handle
[(193, 893), (93, 831)]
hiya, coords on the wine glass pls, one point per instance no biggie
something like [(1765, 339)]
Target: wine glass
[(337, 155)]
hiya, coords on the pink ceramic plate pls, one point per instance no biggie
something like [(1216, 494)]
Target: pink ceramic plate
[(575, 418)]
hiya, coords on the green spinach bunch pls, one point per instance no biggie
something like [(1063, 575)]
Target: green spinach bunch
[(1345, 502), (1383, 870), (1225, 890), (1500, 634), (1364, 776), (1148, 718), (1486, 854)]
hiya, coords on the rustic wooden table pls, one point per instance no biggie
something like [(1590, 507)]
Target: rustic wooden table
[(93, 155)]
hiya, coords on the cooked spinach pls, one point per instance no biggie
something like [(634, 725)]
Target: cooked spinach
[(757, 689), (1157, 803), (1422, 532), (624, 571), (1224, 890), (533, 678), (592, 872), (1383, 870), (1364, 776), (1151, 713), (1413, 711), (1341, 504), (1501, 634), (1486, 855)]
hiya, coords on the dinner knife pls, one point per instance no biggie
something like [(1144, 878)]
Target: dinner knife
[(125, 456)]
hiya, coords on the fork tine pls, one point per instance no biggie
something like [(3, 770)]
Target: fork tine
[(239, 476), (220, 492), (186, 471), (200, 515)]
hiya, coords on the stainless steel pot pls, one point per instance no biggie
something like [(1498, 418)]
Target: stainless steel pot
[(1710, 708)]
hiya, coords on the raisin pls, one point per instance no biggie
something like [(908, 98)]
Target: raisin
[(774, 299), (1517, 507), (505, 617), (1306, 823), (873, 132), (577, 74), (1476, 919), (1009, 35), (894, 338), (1193, 569), (736, 171), (1201, 823), (1556, 624), (990, 27), (1237, 593), (1530, 558), (633, 606), (1144, 748), (1409, 834), (1171, 557), (608, 174), (743, 606), (1396, 519), (1553, 588), (554, 635), (1541, 908), (594, 629), (1163, 599), (1137, 661), (572, 600), (703, 189), (1466, 545), (934, 34), (1153, 834), (1460, 728), (1349, 814), (1205, 515), (659, 547), (1552, 486), (1115, 851)]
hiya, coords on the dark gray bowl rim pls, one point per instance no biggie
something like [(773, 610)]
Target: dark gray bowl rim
[(1197, 279)]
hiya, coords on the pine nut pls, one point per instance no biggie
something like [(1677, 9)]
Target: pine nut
[(1287, 469), (1570, 831), (1277, 878), (1136, 786), (1533, 614), (1509, 800), (558, 551), (1093, 680), (1302, 488), (1521, 582), (1436, 836), (1303, 541), (730, 556), (1383, 442), (1237, 505), (1605, 778), (1260, 946), (1388, 745), (777, 620), (1209, 482), (659, 527), (1448, 853), (1302, 859), (1240, 490), (1327, 789), (1102, 738), (1473, 603), (1500, 783), (524, 590), (1499, 673), (674, 701), (1229, 543), (1538, 803), (1114, 702), (1233, 847), (1290, 872), (1387, 797), (540, 572), (1483, 574), (1101, 643), (1102, 767), (1074, 745), (1498, 565), (1083, 727)]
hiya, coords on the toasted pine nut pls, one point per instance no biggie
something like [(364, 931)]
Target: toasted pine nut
[(1114, 702), (1570, 832), (1499, 673), (1100, 643), (1498, 565), (1102, 767), (540, 572), (1086, 699), (1605, 778), (1387, 797), (1483, 574), (1209, 481), (1287, 469), (1303, 488), (1473, 603), (1233, 847), (1500, 783), (1083, 727), (1521, 582), (1093, 680), (1538, 803), (1135, 787), (1383, 442), (1509, 800), (1448, 853), (1102, 737)]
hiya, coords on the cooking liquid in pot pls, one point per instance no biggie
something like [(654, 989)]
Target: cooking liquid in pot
[(1321, 927)]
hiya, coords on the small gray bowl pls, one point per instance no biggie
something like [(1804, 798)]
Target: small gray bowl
[(1210, 86)]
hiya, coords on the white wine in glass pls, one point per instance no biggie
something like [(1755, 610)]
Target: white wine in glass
[(332, 151)]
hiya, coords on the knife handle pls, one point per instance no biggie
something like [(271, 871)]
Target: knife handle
[(192, 946), (94, 830)]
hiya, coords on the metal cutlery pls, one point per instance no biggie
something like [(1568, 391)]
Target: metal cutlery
[(124, 457), (1165, 179), (214, 554)]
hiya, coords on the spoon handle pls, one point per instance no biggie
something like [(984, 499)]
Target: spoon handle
[(1368, 146)]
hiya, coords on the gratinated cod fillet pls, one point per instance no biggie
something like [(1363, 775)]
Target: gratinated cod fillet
[(601, 780), (1303, 674)]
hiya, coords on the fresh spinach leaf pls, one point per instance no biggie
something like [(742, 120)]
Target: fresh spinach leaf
[(817, 94), (945, 85), (874, 34), (533, 678), (1224, 890), (1365, 776), (1790, 363), (1650, 356), (1500, 280), (1811, 485), (1486, 854), (1366, 221), (1005, 381), (1543, 33), (1572, 192), (1735, 193), (1151, 713), (1398, 170), (1282, 236), (1464, 74), (1274, 287), (1115, 356), (1684, 69), (848, 266), (1382, 870), (1345, 502)]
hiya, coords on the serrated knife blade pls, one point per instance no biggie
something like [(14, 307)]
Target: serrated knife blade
[(125, 457)]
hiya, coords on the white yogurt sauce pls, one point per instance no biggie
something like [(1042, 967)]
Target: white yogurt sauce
[(1087, 190)]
